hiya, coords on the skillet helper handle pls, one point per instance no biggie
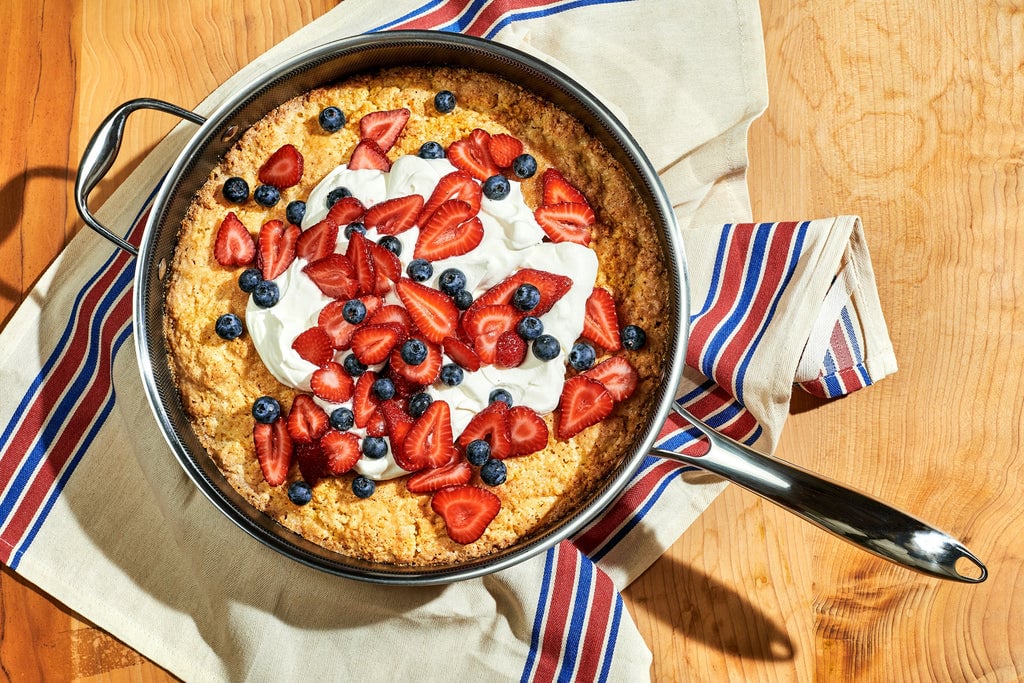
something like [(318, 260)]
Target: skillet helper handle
[(851, 515), (101, 152)]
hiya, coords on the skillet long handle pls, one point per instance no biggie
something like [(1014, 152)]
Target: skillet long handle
[(851, 515), (101, 152)]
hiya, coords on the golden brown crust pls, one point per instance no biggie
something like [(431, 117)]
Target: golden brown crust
[(219, 380)]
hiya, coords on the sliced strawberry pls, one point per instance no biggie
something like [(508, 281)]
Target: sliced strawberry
[(404, 387), (334, 275), (376, 426), (433, 312), (452, 230), (358, 253), (276, 247), (312, 462), (397, 422), (551, 286), (373, 343), (556, 189), (318, 241), (383, 127), (425, 373), (455, 185), (332, 383), (600, 321), (427, 481), (566, 222), (233, 245), (528, 430), (332, 320), (345, 211), (485, 325), (492, 425), (584, 402), (341, 450), (429, 443), (364, 403), (466, 511), (391, 314), (473, 155), (368, 155), (394, 216), (617, 375), (314, 346), (504, 149), (273, 450), (307, 421), (283, 168), (509, 350), (461, 353), (385, 263)]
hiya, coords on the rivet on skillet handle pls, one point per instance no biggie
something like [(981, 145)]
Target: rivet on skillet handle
[(856, 517), (102, 150)]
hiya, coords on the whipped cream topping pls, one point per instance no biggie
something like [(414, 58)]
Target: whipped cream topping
[(512, 240)]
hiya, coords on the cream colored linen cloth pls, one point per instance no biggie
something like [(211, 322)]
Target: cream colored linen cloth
[(96, 512)]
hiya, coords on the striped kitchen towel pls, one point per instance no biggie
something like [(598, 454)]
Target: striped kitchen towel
[(95, 511)]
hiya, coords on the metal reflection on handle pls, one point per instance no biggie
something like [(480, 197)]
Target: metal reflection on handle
[(101, 152), (851, 515)]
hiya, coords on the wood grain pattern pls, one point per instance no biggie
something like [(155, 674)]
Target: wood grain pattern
[(906, 114)]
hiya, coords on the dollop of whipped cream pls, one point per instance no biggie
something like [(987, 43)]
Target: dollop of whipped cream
[(512, 240)]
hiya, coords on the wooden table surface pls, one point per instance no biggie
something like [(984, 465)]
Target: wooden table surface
[(909, 114)]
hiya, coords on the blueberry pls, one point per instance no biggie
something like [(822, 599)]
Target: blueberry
[(413, 351), (384, 388), (451, 280), (478, 452), (229, 326), (354, 311), (431, 150), (235, 190), (493, 473), (295, 212), (374, 447), (500, 395), (633, 337), (363, 487), (267, 195), (248, 280), (353, 366), (331, 119), (266, 409), (497, 187), (391, 243), (342, 419), (451, 374), (419, 270), (582, 356), (463, 299), (524, 166), (419, 403), (444, 101), (546, 347), (336, 195), (526, 297), (530, 327), (300, 493), (353, 227), (266, 294)]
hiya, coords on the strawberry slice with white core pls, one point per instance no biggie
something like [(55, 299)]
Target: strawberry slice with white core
[(373, 343), (314, 346), (283, 168), (461, 353), (492, 425), (394, 216), (584, 402), (433, 313), (341, 450), (421, 374), (617, 375), (566, 222), (556, 189), (391, 314), (455, 185), (233, 245), (332, 383), (332, 320), (275, 247), (358, 254), (429, 442), (307, 421), (368, 155), (601, 321), (466, 511), (426, 481), (397, 423), (473, 155), (334, 275), (345, 211), (551, 286), (364, 403), (452, 230), (383, 127), (318, 241), (527, 430), (485, 325), (273, 450), (504, 149)]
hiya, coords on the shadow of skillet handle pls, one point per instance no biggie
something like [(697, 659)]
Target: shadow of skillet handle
[(856, 517), (101, 152)]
